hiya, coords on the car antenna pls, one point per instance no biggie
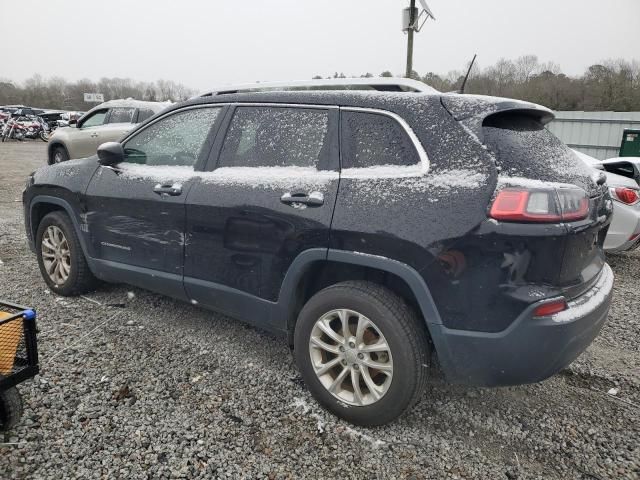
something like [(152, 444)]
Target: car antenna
[(466, 77)]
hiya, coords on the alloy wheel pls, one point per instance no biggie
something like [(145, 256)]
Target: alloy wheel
[(351, 357), (56, 255)]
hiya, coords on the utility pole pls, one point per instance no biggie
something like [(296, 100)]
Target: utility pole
[(412, 21)]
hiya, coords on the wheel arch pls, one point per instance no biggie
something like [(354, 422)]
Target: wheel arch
[(51, 148), (42, 205), (308, 274)]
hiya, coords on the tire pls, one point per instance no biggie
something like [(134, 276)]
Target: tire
[(73, 277), (58, 155), (391, 322), (10, 409), (44, 136)]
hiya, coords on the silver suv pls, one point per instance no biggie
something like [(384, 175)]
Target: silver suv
[(107, 122)]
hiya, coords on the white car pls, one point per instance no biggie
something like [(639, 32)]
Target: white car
[(107, 122), (622, 175)]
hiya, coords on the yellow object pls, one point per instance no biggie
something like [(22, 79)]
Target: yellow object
[(10, 334)]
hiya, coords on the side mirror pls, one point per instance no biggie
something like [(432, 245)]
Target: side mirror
[(73, 122), (110, 153)]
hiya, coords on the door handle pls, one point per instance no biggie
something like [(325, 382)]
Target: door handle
[(168, 190), (313, 199), (94, 135)]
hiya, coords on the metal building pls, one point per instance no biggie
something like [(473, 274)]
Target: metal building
[(598, 134)]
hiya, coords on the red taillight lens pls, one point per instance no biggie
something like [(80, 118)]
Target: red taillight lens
[(540, 205), (625, 195), (550, 308)]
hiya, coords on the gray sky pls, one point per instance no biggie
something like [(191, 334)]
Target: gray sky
[(208, 42)]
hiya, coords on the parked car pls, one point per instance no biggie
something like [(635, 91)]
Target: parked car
[(625, 166), (107, 122), (624, 232), (382, 233)]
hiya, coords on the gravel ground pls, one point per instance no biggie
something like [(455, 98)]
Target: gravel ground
[(136, 385)]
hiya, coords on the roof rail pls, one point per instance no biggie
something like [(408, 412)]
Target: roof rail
[(384, 84)]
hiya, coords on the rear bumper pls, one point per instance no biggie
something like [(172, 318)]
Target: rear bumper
[(531, 349)]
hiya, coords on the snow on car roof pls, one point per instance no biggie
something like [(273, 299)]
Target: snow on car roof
[(130, 102)]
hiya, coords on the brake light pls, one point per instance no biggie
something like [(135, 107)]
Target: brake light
[(550, 308), (625, 195), (540, 205)]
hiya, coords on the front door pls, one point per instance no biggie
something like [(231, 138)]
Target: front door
[(270, 197), (136, 210), (85, 137)]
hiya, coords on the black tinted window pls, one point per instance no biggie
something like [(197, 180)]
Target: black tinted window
[(121, 115), (275, 137), (145, 113), (370, 139)]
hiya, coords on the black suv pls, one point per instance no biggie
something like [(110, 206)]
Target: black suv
[(381, 232)]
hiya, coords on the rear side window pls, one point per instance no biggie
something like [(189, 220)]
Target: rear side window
[(121, 115), (624, 169), (275, 137), (371, 139), (144, 113)]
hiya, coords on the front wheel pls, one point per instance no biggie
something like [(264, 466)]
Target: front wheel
[(44, 136), (59, 155), (362, 352), (60, 257)]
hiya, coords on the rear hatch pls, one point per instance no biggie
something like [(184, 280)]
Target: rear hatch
[(530, 157)]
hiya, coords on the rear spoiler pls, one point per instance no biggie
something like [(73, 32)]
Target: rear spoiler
[(463, 107), (472, 110)]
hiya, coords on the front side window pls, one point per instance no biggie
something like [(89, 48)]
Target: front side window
[(176, 140), (275, 137), (96, 118), (121, 115), (372, 139)]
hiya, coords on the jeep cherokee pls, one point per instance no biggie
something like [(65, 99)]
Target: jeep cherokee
[(382, 233)]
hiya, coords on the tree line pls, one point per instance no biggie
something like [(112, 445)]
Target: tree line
[(610, 85), (58, 93)]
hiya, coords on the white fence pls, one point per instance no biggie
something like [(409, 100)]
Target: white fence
[(598, 134)]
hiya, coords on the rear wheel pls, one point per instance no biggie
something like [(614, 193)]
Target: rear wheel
[(60, 258), (10, 409), (362, 352)]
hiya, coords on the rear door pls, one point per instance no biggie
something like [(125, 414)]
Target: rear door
[(136, 210), (270, 197)]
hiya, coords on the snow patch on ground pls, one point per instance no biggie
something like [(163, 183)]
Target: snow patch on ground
[(322, 424)]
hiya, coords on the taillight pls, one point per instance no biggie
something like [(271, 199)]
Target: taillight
[(550, 308), (626, 195), (540, 205)]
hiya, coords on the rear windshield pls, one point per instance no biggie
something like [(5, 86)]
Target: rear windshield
[(524, 148), (624, 169)]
